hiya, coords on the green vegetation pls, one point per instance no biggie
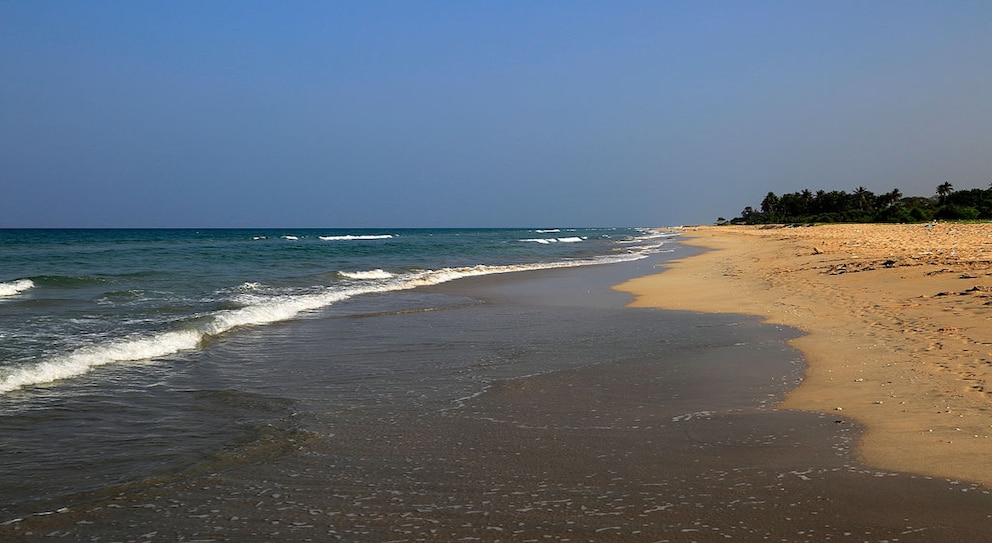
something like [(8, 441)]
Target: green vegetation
[(864, 206)]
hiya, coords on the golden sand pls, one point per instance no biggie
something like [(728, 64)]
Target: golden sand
[(897, 323)]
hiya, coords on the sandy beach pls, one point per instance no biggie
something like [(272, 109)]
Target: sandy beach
[(896, 322), (527, 407)]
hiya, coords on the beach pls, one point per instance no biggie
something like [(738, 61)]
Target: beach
[(896, 325), (533, 406)]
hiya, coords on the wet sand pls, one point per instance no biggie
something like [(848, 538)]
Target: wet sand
[(584, 421), (897, 323)]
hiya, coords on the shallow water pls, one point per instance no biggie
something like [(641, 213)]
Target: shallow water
[(133, 354), (514, 408)]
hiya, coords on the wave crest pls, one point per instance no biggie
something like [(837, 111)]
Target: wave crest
[(546, 241), (356, 237), (13, 288), (85, 359), (261, 310), (370, 274)]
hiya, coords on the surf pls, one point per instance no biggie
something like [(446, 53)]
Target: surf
[(351, 237), (13, 288), (256, 295)]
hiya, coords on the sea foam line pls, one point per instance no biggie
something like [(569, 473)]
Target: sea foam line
[(280, 308), (13, 288), (84, 359), (356, 237), (545, 241), (369, 274)]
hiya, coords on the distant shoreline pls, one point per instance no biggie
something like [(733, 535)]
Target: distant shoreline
[(896, 322)]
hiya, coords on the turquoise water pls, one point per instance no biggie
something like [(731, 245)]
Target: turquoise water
[(129, 354), (246, 386), (74, 300)]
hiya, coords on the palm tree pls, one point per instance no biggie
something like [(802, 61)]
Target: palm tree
[(889, 199), (863, 198), (769, 206), (806, 197), (943, 191)]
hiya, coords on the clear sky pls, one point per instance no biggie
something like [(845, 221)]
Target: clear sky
[(479, 113)]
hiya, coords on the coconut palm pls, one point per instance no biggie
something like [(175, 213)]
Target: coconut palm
[(943, 191)]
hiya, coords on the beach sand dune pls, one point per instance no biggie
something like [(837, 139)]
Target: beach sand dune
[(897, 323)]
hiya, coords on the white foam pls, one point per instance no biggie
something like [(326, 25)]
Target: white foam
[(249, 286), (13, 288), (272, 310), (695, 415), (85, 359), (549, 231), (655, 234), (434, 277), (546, 241), (354, 238), (291, 238), (370, 274), (257, 311)]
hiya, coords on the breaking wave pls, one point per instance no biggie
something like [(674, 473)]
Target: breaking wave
[(356, 238), (370, 274), (260, 309), (13, 288), (546, 241)]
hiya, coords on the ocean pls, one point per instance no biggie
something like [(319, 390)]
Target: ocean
[(412, 385), (131, 355)]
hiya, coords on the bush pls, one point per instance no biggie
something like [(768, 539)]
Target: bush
[(896, 214), (953, 212), (920, 214)]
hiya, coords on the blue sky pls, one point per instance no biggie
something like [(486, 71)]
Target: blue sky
[(479, 113)]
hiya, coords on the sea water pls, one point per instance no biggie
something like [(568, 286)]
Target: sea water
[(128, 354), (339, 385)]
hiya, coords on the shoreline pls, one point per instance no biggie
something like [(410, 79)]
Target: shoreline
[(526, 407), (896, 323)]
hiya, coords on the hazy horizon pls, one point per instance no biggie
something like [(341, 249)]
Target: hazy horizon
[(479, 114)]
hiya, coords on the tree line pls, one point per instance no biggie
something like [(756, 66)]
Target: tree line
[(863, 206)]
